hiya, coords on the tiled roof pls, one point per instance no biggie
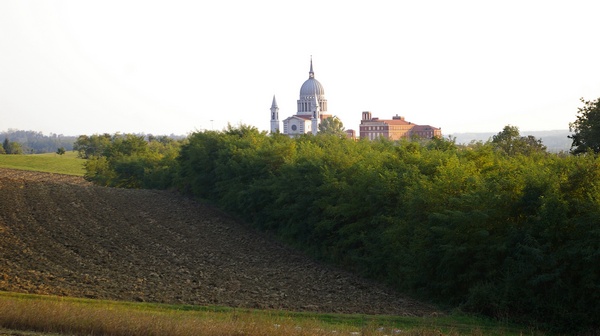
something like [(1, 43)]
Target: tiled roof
[(424, 127)]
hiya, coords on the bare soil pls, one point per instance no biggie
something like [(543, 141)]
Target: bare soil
[(61, 235)]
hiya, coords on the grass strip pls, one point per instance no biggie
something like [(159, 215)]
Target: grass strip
[(67, 164), (71, 316)]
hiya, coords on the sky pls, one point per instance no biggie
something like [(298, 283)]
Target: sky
[(77, 67)]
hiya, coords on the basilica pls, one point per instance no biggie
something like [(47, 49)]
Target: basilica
[(312, 109)]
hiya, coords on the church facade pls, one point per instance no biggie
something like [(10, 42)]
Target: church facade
[(312, 109)]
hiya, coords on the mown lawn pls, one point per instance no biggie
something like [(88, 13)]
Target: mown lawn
[(67, 164)]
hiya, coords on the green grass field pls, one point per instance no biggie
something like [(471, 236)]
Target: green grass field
[(59, 315), (50, 163)]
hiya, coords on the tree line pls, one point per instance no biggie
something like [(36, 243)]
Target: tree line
[(502, 228), (487, 228), (31, 142)]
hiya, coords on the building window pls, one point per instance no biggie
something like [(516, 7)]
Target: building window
[(294, 127)]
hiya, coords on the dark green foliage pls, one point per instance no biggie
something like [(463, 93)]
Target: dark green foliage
[(512, 143), (332, 126), (61, 151), (6, 146), (505, 232), (90, 146), (129, 160), (10, 147), (586, 128)]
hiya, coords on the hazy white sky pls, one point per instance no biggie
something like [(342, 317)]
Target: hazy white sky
[(83, 67)]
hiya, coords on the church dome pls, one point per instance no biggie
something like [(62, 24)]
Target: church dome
[(310, 87)]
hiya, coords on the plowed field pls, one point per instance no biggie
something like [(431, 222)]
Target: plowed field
[(63, 236)]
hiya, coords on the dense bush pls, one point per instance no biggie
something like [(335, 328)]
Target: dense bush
[(129, 160), (506, 235)]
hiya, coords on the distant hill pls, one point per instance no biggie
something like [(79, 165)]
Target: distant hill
[(34, 142), (555, 140)]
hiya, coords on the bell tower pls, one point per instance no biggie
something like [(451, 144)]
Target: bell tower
[(274, 116)]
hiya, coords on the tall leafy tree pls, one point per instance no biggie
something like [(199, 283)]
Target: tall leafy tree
[(512, 143), (586, 128), (6, 146), (11, 147), (333, 126), (93, 145)]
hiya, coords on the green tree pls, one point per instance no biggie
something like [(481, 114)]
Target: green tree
[(586, 128), (16, 148), (6, 146), (333, 126), (11, 147), (93, 145), (60, 151), (125, 145), (512, 143), (129, 160)]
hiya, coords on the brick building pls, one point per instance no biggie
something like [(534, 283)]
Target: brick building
[(394, 129)]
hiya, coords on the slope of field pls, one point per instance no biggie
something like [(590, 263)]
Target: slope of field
[(61, 235)]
